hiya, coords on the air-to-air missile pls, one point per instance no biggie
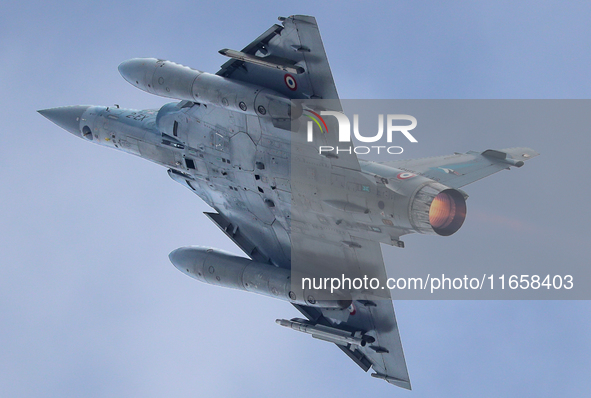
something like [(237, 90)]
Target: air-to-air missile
[(327, 333)]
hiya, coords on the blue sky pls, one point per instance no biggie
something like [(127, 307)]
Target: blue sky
[(90, 304)]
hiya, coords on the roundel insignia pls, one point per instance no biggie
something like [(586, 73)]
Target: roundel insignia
[(352, 309), (290, 82), (405, 176)]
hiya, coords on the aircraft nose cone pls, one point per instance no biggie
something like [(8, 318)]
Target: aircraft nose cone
[(67, 117), (134, 70)]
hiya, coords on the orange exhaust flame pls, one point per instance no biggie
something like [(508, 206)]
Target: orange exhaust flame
[(447, 212)]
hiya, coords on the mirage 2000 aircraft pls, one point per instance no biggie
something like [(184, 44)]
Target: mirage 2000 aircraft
[(229, 141)]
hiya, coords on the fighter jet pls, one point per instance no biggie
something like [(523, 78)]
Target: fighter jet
[(229, 141)]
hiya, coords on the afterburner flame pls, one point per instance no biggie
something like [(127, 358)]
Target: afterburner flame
[(442, 211), (447, 212)]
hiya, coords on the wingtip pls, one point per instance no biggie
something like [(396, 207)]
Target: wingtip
[(521, 153), (393, 380)]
